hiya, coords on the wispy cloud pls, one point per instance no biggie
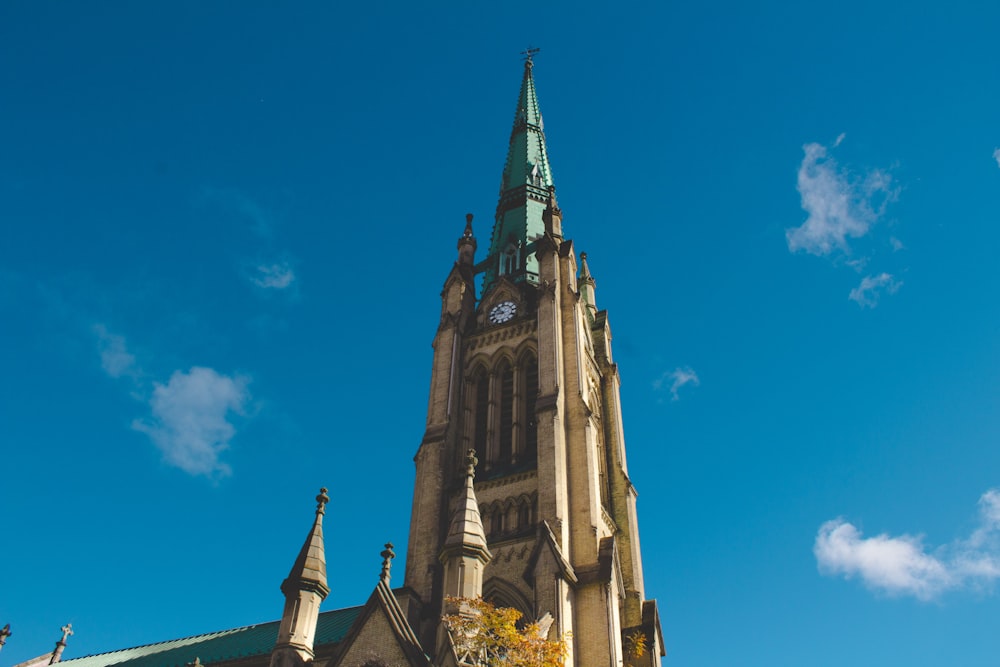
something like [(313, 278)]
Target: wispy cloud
[(996, 155), (904, 566), (273, 276), (261, 219), (115, 357), (190, 419), (676, 379), (867, 293), (839, 204)]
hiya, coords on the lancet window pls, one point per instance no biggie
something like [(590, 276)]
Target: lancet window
[(502, 426), (512, 517)]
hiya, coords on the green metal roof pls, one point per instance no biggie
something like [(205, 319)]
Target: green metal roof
[(524, 187), (245, 642)]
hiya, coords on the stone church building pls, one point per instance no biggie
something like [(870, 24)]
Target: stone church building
[(522, 492)]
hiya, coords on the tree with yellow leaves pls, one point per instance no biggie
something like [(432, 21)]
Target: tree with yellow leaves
[(487, 636)]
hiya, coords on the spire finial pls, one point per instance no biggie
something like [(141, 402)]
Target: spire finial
[(321, 500), (528, 54), (387, 555), (67, 630), (468, 226), (470, 463)]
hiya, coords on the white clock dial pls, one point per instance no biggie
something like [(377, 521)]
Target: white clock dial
[(502, 312)]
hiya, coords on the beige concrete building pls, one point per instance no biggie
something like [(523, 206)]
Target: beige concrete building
[(522, 491)]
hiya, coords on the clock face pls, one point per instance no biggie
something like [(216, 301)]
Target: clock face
[(502, 312)]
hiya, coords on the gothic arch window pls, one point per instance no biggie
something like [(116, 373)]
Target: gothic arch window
[(505, 444), (503, 594), (502, 426), (480, 410), (509, 260), (496, 523), (529, 393), (524, 521)]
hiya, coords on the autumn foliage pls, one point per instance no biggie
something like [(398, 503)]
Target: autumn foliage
[(488, 636)]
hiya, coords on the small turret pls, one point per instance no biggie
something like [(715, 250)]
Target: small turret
[(305, 588), (465, 553), (467, 244), (587, 285), (552, 215)]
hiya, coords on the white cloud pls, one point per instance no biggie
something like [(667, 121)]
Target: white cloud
[(903, 565), (839, 205), (896, 244), (867, 293), (115, 357), (677, 378), (273, 276), (190, 422), (996, 155)]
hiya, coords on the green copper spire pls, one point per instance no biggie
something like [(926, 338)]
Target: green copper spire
[(525, 190)]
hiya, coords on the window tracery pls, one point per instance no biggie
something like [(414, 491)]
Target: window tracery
[(503, 426)]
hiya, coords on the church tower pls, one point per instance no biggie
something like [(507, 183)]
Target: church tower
[(523, 375)]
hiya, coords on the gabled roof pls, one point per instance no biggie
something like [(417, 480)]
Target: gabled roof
[(44, 659), (383, 601), (546, 542), (245, 642)]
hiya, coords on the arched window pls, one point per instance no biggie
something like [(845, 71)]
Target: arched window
[(503, 594), (496, 523), (529, 392), (481, 392), (503, 427), (524, 517), (510, 259), (505, 378)]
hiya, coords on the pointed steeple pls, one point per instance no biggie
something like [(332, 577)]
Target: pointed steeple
[(304, 588), (524, 190), (309, 570), (465, 553), (466, 534)]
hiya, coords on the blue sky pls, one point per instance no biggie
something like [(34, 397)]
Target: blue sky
[(225, 229)]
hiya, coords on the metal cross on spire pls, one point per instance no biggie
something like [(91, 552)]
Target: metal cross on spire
[(529, 53)]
